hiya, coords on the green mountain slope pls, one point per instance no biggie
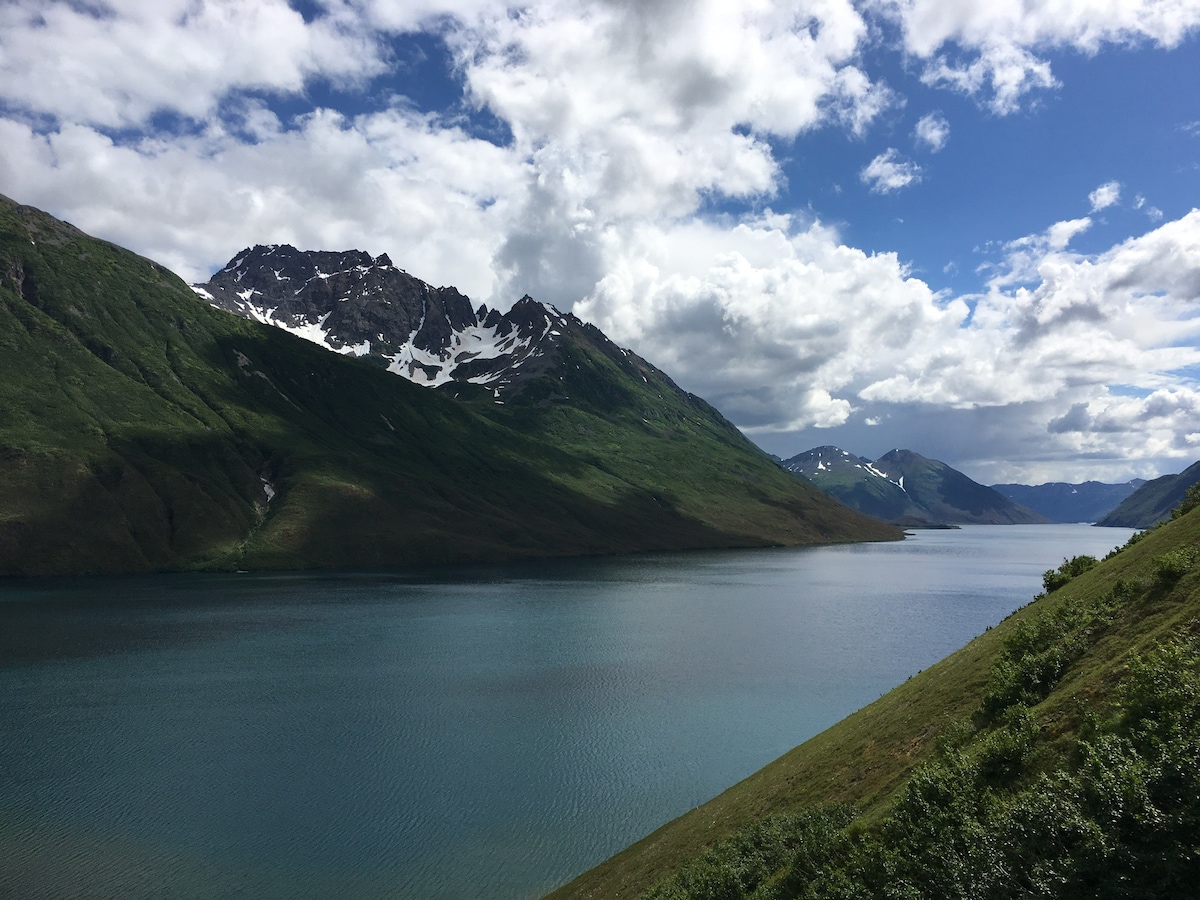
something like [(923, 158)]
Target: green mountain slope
[(905, 487), (1153, 501), (855, 481), (948, 495), (1054, 755), (142, 430)]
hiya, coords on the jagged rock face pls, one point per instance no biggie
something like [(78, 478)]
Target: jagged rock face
[(356, 304)]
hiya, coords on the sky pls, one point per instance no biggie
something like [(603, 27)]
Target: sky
[(964, 227)]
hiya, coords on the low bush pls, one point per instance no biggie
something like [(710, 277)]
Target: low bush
[(1053, 579)]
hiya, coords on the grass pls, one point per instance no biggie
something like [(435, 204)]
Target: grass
[(1099, 623)]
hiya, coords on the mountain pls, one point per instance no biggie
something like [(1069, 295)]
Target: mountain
[(366, 307), (141, 429), (905, 487), (1153, 501), (1061, 502), (855, 481), (1052, 756)]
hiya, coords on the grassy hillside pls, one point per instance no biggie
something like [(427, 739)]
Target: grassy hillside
[(1058, 754), (142, 430)]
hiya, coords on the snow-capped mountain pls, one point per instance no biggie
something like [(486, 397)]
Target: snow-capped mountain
[(363, 306), (820, 461)]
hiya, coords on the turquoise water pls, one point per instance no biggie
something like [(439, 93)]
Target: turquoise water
[(482, 732)]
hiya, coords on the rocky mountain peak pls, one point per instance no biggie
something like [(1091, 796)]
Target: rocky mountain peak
[(365, 306)]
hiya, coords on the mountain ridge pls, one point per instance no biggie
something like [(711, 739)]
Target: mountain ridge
[(1059, 501), (905, 487), (367, 307), (143, 430)]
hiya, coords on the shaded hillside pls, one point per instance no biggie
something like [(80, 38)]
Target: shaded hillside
[(1153, 501), (1051, 756), (140, 429), (903, 486), (1061, 502), (855, 481)]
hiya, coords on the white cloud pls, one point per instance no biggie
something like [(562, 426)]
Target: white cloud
[(785, 330), (1105, 195), (116, 64), (932, 131), (637, 112), (888, 172), (1152, 212), (391, 182), (1001, 75), (621, 113), (987, 48), (1024, 256), (627, 118)]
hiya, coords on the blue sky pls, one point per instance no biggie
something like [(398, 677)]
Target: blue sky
[(967, 228)]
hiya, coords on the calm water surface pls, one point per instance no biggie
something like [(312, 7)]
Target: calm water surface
[(483, 732)]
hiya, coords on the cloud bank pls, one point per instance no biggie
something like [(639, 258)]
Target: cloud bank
[(187, 130)]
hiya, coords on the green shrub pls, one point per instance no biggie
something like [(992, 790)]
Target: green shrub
[(1172, 566), (1053, 579), (1191, 499), (1039, 650)]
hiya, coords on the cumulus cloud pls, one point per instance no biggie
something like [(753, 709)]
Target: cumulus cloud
[(1153, 212), (635, 112), (932, 131), (1001, 76), (888, 172), (391, 182), (988, 48), (118, 63), (787, 330), (1105, 195), (619, 113), (627, 121)]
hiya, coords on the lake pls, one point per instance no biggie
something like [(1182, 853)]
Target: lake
[(448, 733)]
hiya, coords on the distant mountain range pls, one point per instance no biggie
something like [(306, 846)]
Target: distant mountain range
[(1061, 502), (905, 488), (1153, 501), (141, 429)]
